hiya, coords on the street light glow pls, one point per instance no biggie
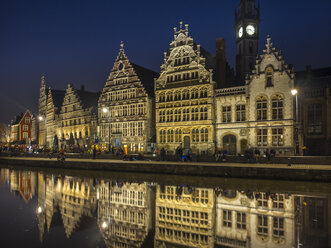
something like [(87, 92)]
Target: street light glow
[(41, 118), (104, 225), (105, 110), (39, 210), (294, 92)]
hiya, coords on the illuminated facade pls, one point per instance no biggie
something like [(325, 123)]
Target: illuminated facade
[(256, 219), (184, 95), (261, 113), (184, 216), (125, 213), (78, 118), (127, 105)]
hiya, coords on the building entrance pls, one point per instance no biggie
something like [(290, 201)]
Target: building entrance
[(187, 142), (230, 144)]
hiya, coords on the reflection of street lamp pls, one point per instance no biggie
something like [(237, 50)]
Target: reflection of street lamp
[(105, 110), (39, 210), (42, 118), (296, 135)]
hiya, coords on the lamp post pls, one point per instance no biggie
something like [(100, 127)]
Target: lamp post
[(45, 132), (296, 134), (105, 110)]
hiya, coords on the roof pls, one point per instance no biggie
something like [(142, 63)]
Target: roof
[(89, 99), (18, 119), (146, 77), (320, 77)]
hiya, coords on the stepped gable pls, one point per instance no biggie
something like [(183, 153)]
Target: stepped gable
[(271, 56), (88, 99)]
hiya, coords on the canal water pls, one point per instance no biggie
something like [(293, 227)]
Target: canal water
[(54, 208)]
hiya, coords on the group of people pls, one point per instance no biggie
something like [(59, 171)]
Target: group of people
[(220, 155), (254, 156)]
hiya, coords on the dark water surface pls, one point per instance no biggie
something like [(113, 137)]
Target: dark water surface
[(53, 208)]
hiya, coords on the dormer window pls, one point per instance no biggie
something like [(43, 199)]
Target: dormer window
[(269, 76)]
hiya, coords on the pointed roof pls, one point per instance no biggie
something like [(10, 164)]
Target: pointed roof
[(57, 97), (277, 54)]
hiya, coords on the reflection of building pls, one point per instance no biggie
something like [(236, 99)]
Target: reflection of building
[(129, 96), (184, 95), (254, 219), (261, 113), (125, 213), (313, 221), (184, 217), (4, 175), (78, 124), (70, 199), (27, 184)]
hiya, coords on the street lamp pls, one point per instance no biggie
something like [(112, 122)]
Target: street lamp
[(45, 132), (294, 92), (105, 110)]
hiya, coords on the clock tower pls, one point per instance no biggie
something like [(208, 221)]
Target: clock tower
[(247, 20)]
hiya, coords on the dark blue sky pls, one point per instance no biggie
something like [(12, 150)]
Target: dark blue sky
[(77, 41)]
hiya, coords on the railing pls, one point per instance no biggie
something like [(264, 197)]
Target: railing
[(231, 91)]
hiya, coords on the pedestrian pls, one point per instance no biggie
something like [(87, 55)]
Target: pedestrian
[(218, 155), (268, 155), (94, 152), (162, 154), (257, 155)]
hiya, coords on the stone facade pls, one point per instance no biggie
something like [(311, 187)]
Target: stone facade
[(42, 105), (184, 95), (184, 217), (256, 219), (127, 105), (260, 114), (23, 128), (78, 118)]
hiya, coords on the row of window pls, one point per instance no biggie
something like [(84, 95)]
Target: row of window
[(125, 110), (183, 95), (128, 197), (133, 128), (186, 114), (183, 236), (123, 215), (170, 135), (277, 137), (73, 122), (171, 193), (121, 95), (183, 216), (182, 76), (262, 223)]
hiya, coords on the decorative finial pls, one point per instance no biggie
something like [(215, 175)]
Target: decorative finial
[(181, 25), (269, 44), (122, 44)]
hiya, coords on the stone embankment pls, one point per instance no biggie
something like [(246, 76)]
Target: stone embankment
[(212, 169)]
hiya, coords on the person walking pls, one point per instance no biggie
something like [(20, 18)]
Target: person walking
[(268, 155), (94, 152)]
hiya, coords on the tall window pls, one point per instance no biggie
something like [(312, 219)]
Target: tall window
[(262, 225), (315, 118), (262, 137), (269, 76), (261, 108), (140, 128), (226, 114), (227, 218), (204, 134), (178, 135), (241, 112), (277, 107), (241, 220), (27, 119), (277, 137), (125, 129), (162, 136), (25, 127), (262, 200), (195, 135), (278, 227), (278, 201), (140, 109)]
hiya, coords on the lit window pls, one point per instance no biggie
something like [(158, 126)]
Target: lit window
[(269, 76), (262, 225), (262, 137), (277, 137), (227, 218), (261, 108), (277, 107), (226, 114), (241, 112)]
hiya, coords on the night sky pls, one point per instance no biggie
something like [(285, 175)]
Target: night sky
[(77, 41)]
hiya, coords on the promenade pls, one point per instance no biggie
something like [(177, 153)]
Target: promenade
[(213, 169)]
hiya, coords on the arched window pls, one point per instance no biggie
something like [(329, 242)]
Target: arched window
[(261, 108), (171, 115), (206, 113), (168, 116), (201, 113), (179, 115), (277, 107), (161, 97), (196, 113), (195, 135), (192, 114), (176, 115), (172, 136), (269, 76)]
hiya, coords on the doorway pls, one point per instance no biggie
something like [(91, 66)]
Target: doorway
[(187, 142), (230, 144)]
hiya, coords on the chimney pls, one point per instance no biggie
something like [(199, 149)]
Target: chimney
[(220, 63), (82, 87)]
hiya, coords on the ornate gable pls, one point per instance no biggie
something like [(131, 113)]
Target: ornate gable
[(271, 58), (182, 55)]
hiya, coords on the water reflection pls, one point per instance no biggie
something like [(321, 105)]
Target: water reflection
[(129, 213)]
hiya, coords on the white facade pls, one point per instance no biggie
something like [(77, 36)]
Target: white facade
[(261, 113)]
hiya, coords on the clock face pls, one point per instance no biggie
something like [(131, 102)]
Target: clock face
[(240, 32), (250, 30)]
